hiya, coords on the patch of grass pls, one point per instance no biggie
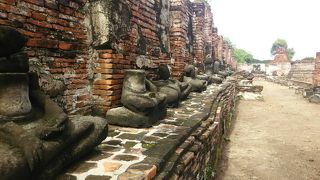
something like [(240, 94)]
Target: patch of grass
[(148, 145)]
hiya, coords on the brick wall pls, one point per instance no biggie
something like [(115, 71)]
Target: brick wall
[(57, 45), (215, 39), (226, 52), (302, 71), (145, 38), (81, 48), (208, 33), (198, 20), (181, 36), (316, 79), (220, 48), (201, 149)]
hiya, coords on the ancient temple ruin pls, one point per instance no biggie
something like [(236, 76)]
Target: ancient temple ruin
[(117, 89)]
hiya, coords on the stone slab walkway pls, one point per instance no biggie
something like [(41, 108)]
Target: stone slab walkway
[(278, 138)]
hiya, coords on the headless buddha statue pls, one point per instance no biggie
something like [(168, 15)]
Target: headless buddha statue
[(197, 85), (142, 104), (37, 139), (175, 90), (209, 70)]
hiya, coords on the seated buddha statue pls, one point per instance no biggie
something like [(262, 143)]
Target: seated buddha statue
[(142, 104), (197, 85), (37, 139)]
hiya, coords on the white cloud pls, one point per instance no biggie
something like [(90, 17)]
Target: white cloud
[(255, 24)]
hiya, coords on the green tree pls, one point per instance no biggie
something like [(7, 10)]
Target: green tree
[(291, 52), (242, 56), (282, 44)]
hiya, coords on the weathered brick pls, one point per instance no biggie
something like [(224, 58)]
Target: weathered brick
[(45, 43), (39, 16)]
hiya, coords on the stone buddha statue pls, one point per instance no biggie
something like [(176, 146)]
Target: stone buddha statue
[(203, 76), (197, 85), (142, 104), (209, 69), (219, 69), (175, 90), (37, 139)]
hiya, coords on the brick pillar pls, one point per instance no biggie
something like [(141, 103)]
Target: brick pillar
[(198, 31), (316, 76), (229, 55), (208, 34), (226, 53), (220, 48), (181, 35), (215, 40)]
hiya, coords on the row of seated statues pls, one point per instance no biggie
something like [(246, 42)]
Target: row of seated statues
[(37, 139), (145, 101)]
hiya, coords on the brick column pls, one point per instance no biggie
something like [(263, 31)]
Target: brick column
[(215, 40), (198, 31), (316, 76), (181, 35), (226, 52), (208, 34), (220, 48)]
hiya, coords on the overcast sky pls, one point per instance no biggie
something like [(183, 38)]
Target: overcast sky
[(254, 25)]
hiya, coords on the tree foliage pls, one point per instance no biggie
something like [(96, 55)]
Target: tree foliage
[(242, 56), (282, 44), (291, 52)]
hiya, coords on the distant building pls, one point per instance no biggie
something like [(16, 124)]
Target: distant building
[(281, 63)]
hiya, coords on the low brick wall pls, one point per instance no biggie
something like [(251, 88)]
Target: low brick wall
[(199, 153), (302, 71), (185, 145)]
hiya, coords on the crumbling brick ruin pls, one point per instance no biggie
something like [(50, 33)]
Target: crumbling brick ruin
[(316, 75), (80, 50), (81, 53)]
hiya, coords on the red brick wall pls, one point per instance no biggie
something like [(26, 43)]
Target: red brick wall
[(62, 44), (208, 34), (302, 71), (110, 66), (220, 48), (215, 40), (199, 9), (57, 43), (180, 35), (226, 52), (316, 79)]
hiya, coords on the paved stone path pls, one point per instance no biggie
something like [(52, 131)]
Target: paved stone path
[(278, 138), (131, 153)]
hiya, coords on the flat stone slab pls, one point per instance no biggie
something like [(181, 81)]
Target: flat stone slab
[(140, 153)]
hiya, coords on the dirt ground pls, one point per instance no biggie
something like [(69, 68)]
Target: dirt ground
[(278, 138)]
